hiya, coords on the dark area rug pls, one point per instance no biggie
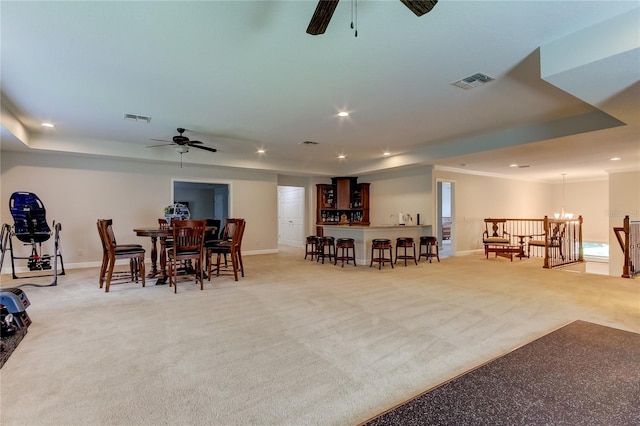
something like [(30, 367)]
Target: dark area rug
[(580, 374), (9, 343)]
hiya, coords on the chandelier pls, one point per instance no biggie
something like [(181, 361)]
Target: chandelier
[(563, 214)]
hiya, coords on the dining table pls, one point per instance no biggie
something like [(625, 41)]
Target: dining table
[(160, 234)]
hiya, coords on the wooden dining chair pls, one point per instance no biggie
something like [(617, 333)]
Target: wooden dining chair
[(163, 224), (112, 251), (231, 248), (188, 240)]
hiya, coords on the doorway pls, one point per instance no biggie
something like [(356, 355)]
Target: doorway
[(445, 217), (291, 216), (205, 200)]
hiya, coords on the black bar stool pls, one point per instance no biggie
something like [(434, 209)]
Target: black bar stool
[(311, 246), (429, 243), (381, 245), (326, 249), (405, 243), (343, 245)]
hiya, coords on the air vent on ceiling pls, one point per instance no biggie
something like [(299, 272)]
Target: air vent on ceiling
[(475, 80), (309, 143), (135, 117)]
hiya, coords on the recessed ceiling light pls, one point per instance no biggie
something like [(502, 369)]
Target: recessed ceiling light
[(342, 156), (261, 151), (343, 114), (45, 124), (615, 158), (513, 165), (386, 153)]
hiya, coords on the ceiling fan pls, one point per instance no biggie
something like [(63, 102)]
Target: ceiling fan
[(324, 11), (183, 143)]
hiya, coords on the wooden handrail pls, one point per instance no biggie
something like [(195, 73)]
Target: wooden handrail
[(625, 230)]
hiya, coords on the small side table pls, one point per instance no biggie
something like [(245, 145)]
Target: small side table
[(503, 250), (521, 243)]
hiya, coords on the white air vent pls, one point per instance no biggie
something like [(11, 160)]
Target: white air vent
[(475, 80), (134, 117), (309, 143)]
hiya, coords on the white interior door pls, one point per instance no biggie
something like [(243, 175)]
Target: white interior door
[(291, 216)]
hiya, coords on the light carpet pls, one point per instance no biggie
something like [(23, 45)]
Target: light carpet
[(293, 343)]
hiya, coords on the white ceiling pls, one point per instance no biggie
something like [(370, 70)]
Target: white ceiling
[(243, 75)]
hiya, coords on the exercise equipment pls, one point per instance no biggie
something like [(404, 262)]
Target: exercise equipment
[(16, 303), (31, 228)]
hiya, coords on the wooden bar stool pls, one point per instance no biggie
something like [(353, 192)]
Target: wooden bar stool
[(343, 245), (381, 245), (311, 246), (429, 243), (326, 249), (405, 243)]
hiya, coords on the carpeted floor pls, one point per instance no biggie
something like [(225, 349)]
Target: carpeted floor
[(293, 343), (581, 374)]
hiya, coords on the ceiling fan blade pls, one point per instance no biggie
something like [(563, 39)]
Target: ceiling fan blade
[(160, 140), (193, 142), (322, 16), (206, 148), (162, 144), (420, 7)]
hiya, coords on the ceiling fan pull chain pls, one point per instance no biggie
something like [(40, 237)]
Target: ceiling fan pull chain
[(354, 13)]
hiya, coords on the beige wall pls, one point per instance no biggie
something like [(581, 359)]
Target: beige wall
[(77, 191), (589, 199), (408, 190), (477, 197)]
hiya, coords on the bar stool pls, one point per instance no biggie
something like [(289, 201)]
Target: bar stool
[(326, 249), (343, 245), (430, 243), (311, 246), (405, 243), (381, 245)]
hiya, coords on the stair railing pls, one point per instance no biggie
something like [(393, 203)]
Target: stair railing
[(628, 236)]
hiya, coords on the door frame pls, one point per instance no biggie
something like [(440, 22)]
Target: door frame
[(438, 215), (210, 182)]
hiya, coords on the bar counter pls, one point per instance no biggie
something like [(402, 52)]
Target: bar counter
[(363, 235)]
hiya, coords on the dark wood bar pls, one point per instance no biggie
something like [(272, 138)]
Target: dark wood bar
[(343, 202)]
